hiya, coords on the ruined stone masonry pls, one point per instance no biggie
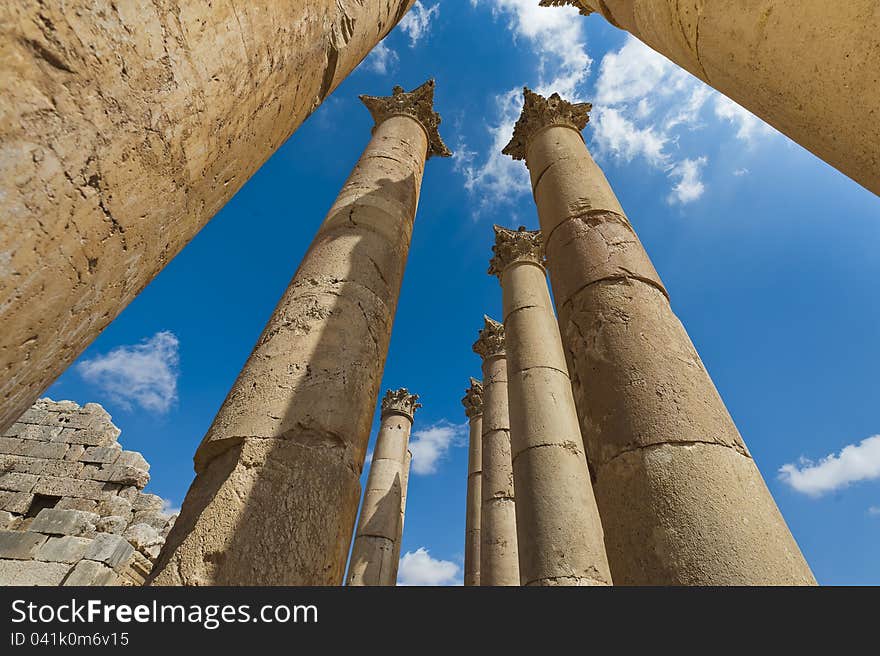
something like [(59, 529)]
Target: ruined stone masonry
[(807, 67), (72, 510), (124, 133)]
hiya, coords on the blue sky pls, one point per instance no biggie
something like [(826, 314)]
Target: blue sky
[(769, 255)]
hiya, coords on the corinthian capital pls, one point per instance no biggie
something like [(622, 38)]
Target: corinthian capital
[(539, 112), (515, 246), (473, 399), (491, 340), (400, 402), (418, 104), (580, 4)]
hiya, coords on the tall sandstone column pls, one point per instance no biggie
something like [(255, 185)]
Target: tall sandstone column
[(559, 534), (473, 409), (125, 128), (377, 542), (787, 61), (407, 466), (499, 562), (680, 498), (277, 487)]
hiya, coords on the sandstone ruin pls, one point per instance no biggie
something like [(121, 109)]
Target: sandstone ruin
[(72, 509)]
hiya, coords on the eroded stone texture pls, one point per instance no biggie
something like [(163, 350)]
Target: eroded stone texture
[(473, 409), (277, 487), (66, 505), (499, 564), (376, 547), (787, 61), (680, 498), (559, 534), (398, 544), (125, 127)]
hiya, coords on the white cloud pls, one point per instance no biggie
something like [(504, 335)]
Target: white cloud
[(430, 445), (417, 22), (616, 135), (144, 374), (874, 511), (169, 507), (420, 568), (854, 463), (749, 128), (381, 60), (741, 172), (689, 186)]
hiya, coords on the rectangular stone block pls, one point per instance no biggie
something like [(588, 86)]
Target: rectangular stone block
[(69, 487), (133, 459), (112, 550), (89, 572), (86, 436), (34, 415), (150, 518), (14, 430), (16, 502), (76, 503), (121, 474), (130, 493), (32, 572), (101, 454), (40, 466), (115, 524), (66, 549), (64, 522), (21, 545), (115, 506), (17, 482), (32, 448), (148, 502), (38, 433), (74, 451)]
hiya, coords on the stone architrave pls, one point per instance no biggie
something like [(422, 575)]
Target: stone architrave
[(376, 551), (680, 497), (124, 131), (276, 493), (559, 534), (786, 61), (499, 564), (473, 409)]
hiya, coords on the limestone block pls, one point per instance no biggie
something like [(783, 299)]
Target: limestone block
[(142, 536), (15, 502), (101, 454), (112, 524), (68, 487), (103, 437), (112, 550), (37, 432), (89, 572), (64, 522), (148, 502), (16, 482), (30, 572), (74, 452), (21, 545), (115, 506), (133, 459), (66, 549), (128, 493), (32, 448), (26, 465), (14, 430), (76, 503), (7, 519), (122, 474), (157, 520), (34, 415)]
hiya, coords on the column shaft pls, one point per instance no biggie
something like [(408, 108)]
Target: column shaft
[(787, 61), (499, 564), (559, 534), (276, 493), (474, 501), (124, 132), (407, 466), (681, 499), (377, 541)]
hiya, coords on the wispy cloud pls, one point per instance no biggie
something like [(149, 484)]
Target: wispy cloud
[(689, 186), (142, 374), (381, 60), (854, 463), (430, 445), (169, 507), (420, 568), (417, 22), (874, 511)]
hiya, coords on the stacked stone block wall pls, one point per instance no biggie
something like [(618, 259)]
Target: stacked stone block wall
[(72, 509)]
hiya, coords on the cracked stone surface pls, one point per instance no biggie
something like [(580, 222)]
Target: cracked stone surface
[(806, 67), (666, 459), (124, 132), (277, 487)]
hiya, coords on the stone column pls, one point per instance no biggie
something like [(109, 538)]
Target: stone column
[(407, 465), (473, 409), (376, 550), (787, 61), (680, 498), (277, 487), (124, 131), (559, 535), (499, 563)]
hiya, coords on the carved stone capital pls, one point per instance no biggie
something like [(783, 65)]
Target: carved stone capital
[(539, 112), (491, 340), (515, 246), (400, 402), (417, 104), (582, 6), (473, 399)]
